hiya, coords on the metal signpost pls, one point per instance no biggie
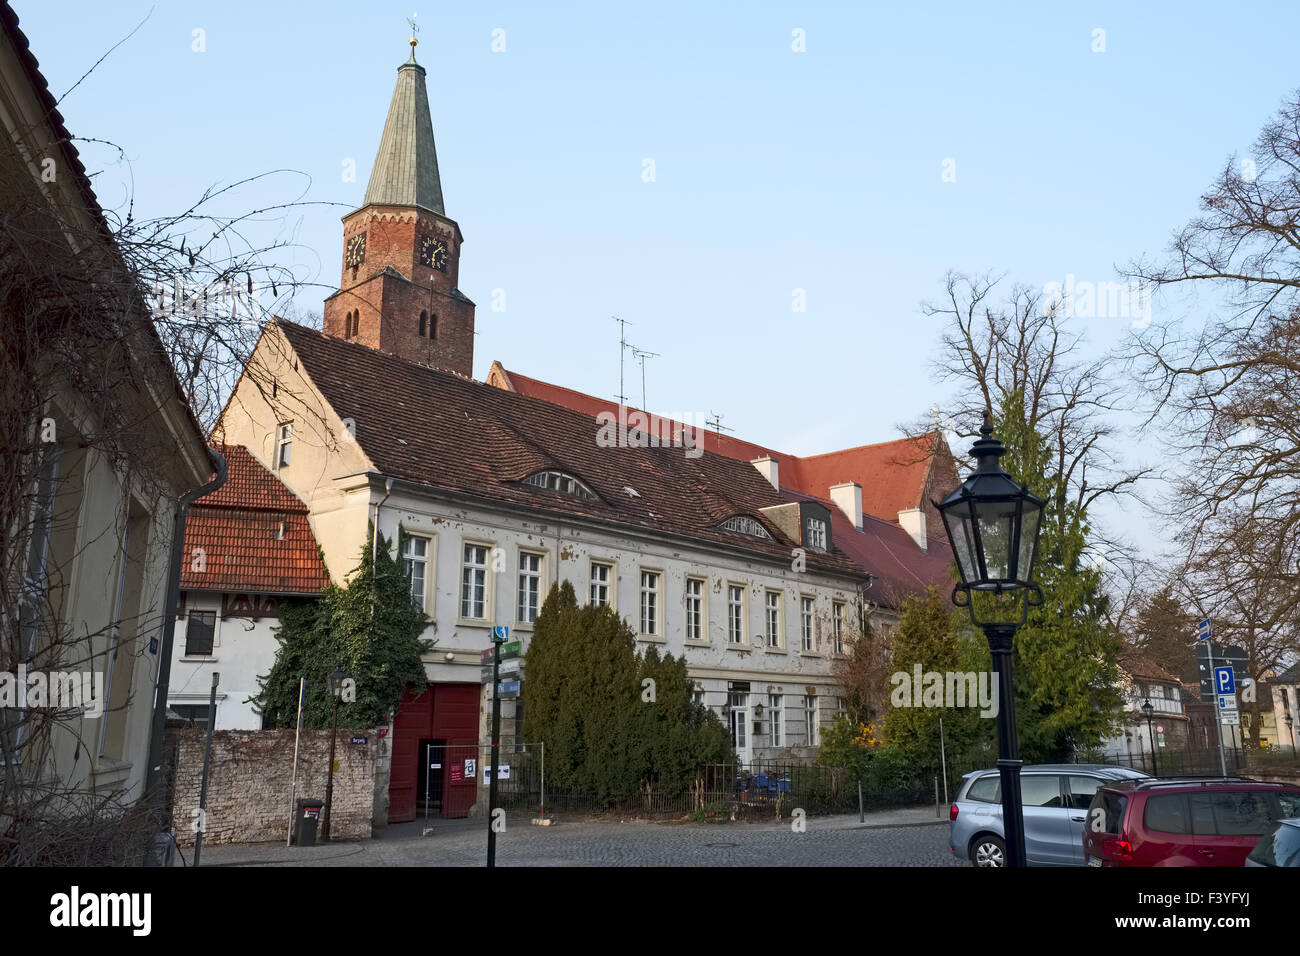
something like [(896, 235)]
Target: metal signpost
[(499, 637), (1205, 633)]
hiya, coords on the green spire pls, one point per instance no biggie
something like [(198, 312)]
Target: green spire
[(406, 170)]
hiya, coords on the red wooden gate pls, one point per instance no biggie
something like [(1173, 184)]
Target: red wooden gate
[(446, 712)]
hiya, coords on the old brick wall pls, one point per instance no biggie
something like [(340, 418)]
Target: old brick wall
[(251, 777)]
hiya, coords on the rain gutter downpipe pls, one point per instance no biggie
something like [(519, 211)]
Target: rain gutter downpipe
[(153, 778)]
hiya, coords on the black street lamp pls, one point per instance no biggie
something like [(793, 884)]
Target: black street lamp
[(335, 683), (992, 524), (1290, 729), (1148, 710)]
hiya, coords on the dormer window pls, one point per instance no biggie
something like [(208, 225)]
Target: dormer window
[(558, 481), (814, 535), (744, 524)]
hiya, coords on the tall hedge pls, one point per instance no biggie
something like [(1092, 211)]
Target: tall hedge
[(607, 732)]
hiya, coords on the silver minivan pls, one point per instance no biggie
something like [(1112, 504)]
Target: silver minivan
[(1055, 800)]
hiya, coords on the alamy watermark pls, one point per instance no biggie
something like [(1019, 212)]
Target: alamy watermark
[(946, 689), (633, 428), (57, 690), (1100, 300)]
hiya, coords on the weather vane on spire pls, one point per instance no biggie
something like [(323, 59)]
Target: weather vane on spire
[(415, 28)]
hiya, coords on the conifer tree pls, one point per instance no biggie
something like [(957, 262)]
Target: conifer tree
[(607, 731), (1064, 663), (931, 633)]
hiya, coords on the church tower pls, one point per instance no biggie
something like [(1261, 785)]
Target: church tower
[(401, 254)]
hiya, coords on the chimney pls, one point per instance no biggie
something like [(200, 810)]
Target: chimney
[(848, 498), (767, 467), (913, 522)]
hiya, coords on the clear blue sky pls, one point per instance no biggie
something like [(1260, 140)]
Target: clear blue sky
[(775, 170)]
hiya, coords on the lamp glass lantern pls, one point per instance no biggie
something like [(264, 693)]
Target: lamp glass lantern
[(1148, 709), (335, 682), (993, 523)]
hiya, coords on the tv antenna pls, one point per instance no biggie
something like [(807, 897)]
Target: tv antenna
[(623, 346), (641, 356), (714, 421)]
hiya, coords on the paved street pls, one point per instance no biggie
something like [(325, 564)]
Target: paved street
[(828, 841)]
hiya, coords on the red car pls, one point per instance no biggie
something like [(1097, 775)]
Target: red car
[(1209, 821)]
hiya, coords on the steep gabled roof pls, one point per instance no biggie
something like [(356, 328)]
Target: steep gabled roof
[(450, 432), (253, 535)]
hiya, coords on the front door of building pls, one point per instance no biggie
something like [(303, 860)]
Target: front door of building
[(740, 727)]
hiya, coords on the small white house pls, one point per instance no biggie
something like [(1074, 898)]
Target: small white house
[(247, 546)]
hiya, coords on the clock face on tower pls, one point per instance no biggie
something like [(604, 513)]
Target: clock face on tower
[(354, 252), (433, 252)]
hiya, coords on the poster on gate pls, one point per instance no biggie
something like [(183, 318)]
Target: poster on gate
[(456, 775), (471, 767)]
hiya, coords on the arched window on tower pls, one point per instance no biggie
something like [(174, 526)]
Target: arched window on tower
[(424, 321)]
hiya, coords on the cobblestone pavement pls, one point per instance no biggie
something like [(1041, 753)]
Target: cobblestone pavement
[(826, 842)]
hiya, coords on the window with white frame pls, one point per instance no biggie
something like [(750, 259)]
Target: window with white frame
[(772, 617), (649, 602), (806, 623), (743, 524), (694, 609), (415, 562), (811, 724), (283, 444), (776, 720), (559, 481), (530, 586), (837, 626), (473, 582), (735, 614), (602, 576), (816, 537)]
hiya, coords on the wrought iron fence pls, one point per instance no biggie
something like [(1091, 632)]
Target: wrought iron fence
[(1174, 762), (714, 789)]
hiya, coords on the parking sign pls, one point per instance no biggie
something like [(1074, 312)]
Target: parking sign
[(1223, 681)]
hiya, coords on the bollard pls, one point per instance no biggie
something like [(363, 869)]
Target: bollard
[(862, 814), (937, 812)]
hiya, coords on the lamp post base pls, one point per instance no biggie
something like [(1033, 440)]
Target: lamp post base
[(1000, 637)]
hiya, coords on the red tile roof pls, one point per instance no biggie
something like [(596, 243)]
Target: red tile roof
[(888, 554), (893, 476), (450, 432), (892, 473), (238, 529)]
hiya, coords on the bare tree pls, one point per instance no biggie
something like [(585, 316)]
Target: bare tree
[(106, 323), (1223, 392), (1244, 578), (1020, 346)]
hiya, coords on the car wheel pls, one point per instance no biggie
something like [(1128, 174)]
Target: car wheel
[(988, 851)]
